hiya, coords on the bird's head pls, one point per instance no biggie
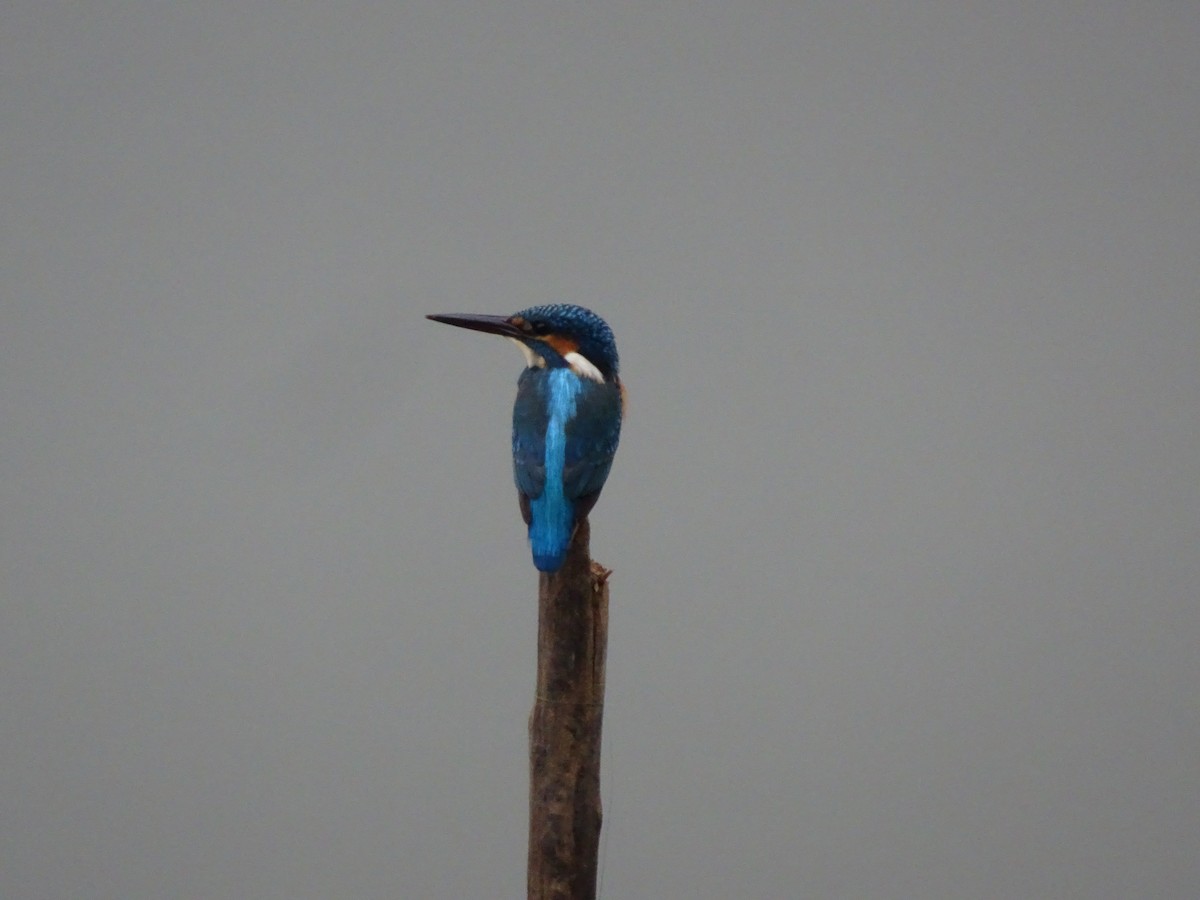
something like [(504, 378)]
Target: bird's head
[(553, 336)]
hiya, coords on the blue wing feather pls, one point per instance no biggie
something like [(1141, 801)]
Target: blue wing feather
[(592, 437), (530, 419)]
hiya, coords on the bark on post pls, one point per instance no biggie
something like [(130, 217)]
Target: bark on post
[(564, 728)]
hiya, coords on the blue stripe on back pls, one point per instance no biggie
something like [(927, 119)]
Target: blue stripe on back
[(553, 516)]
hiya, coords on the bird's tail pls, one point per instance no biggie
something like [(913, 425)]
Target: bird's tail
[(550, 534)]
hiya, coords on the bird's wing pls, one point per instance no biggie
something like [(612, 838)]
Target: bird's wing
[(592, 436), (529, 437)]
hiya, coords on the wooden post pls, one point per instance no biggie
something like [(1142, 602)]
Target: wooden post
[(564, 728)]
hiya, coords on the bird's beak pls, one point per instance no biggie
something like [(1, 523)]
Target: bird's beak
[(490, 324)]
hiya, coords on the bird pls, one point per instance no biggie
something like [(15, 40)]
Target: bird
[(566, 418)]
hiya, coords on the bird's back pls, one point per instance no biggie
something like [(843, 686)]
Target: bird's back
[(565, 433)]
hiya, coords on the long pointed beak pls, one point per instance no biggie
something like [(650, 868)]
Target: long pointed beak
[(489, 324)]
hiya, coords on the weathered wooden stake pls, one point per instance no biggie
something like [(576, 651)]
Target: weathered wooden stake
[(564, 728)]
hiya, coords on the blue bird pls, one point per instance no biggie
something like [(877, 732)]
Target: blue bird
[(566, 419)]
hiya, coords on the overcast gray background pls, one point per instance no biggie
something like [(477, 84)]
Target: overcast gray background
[(904, 519)]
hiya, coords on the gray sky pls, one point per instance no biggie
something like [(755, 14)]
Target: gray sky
[(903, 523)]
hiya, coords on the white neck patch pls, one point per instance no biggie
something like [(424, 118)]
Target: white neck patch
[(532, 360), (583, 367)]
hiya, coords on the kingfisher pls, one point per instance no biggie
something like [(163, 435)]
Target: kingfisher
[(566, 418)]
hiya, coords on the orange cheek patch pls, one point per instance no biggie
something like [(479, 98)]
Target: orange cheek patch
[(562, 346)]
